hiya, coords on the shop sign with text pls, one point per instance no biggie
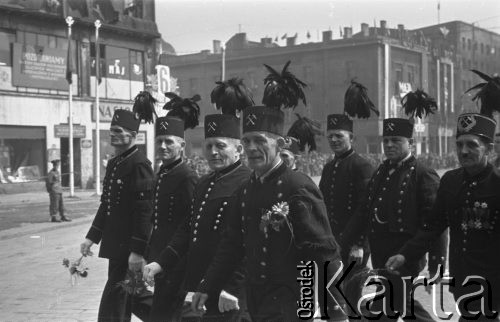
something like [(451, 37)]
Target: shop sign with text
[(39, 67), (62, 131), (106, 110)]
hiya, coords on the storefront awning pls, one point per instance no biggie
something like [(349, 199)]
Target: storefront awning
[(22, 132)]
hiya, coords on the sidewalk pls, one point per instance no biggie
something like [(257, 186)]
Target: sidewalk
[(35, 285), (42, 196), (31, 210)]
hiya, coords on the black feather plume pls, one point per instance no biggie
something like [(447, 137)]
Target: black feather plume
[(488, 94), (184, 108), (304, 130), (231, 96), (144, 106), (357, 103), (283, 89), (419, 104), (174, 100)]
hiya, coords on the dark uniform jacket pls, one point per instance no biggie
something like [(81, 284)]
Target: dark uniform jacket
[(343, 184), (470, 206), (397, 205), (273, 251), (198, 237), (172, 198), (123, 220), (54, 180)]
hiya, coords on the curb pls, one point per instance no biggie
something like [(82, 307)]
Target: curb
[(23, 231)]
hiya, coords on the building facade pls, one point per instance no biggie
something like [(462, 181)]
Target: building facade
[(390, 62), (34, 108), (382, 62), (457, 47)]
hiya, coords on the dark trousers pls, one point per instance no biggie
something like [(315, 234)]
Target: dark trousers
[(272, 303), (383, 246), (167, 299), (116, 305), (56, 204)]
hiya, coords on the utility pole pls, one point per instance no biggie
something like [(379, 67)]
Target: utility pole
[(97, 142)]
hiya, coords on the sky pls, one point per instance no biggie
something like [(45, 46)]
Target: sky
[(191, 25)]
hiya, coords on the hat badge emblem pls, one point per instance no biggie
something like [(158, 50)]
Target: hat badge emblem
[(164, 125), (333, 121), (251, 118), (212, 126), (116, 117), (466, 123), (390, 126)]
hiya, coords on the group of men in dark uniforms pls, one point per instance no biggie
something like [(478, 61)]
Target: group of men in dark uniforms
[(225, 247)]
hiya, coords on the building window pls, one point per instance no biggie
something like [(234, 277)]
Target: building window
[(6, 40), (411, 74), (193, 86), (488, 50), (308, 75), (133, 8), (463, 43), (137, 65), (124, 72), (398, 76), (102, 54), (38, 43), (482, 48), (469, 44), (22, 153), (250, 82)]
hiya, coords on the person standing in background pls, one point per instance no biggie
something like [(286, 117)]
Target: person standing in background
[(54, 189)]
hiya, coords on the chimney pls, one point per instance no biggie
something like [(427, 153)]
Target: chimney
[(266, 42), (347, 32), (401, 31), (365, 30), (290, 41), (383, 24), (327, 35), (217, 47)]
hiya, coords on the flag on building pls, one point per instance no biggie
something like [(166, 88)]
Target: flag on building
[(98, 61), (69, 60)]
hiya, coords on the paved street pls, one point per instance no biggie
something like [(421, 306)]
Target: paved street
[(35, 285)]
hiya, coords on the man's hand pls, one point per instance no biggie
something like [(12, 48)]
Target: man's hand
[(198, 303), (85, 247), (227, 302), (395, 262), (135, 262), (356, 254), (149, 271)]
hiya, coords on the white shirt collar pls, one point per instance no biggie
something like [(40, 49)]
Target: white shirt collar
[(273, 168)]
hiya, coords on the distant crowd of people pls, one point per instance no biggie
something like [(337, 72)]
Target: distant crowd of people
[(312, 163)]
